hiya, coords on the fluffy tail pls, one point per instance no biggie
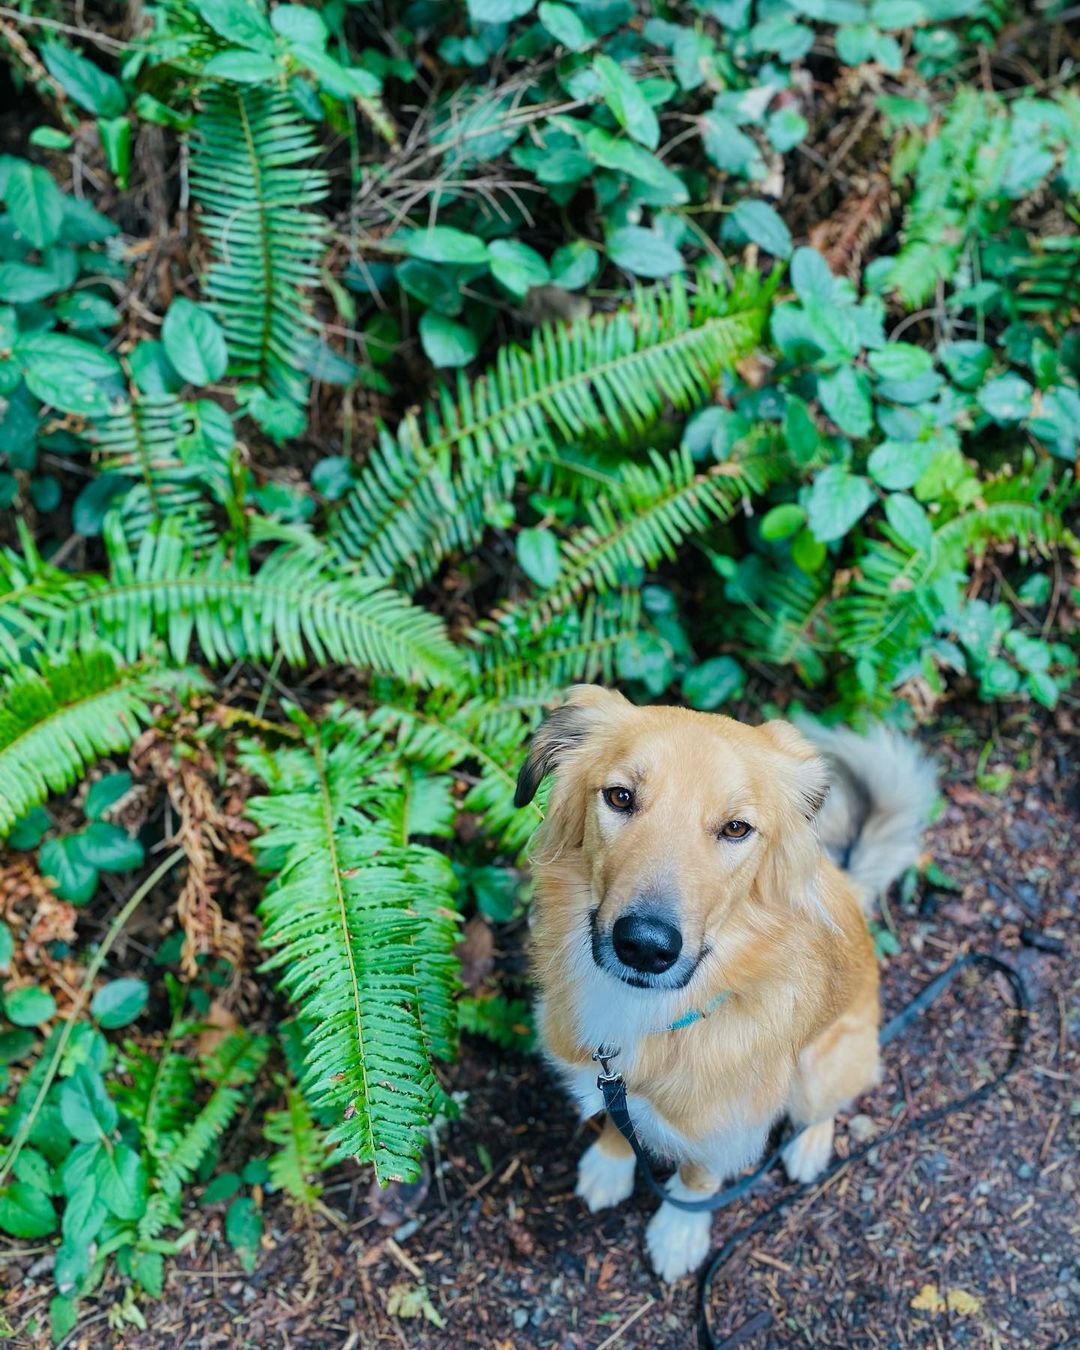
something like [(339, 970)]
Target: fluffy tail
[(882, 791)]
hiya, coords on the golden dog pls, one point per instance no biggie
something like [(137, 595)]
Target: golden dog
[(683, 877)]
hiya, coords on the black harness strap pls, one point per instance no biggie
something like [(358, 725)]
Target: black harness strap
[(613, 1088)]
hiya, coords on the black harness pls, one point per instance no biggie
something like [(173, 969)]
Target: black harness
[(613, 1088)]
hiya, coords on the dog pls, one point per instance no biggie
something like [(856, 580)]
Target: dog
[(701, 898)]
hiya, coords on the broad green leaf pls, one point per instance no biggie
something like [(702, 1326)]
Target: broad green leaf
[(105, 793), (574, 265), (26, 1212), (119, 1002), (564, 25), (242, 67), (83, 80), (517, 266), (16, 1045), (66, 871), (32, 1168), (800, 430), (86, 1108), (149, 1269), (761, 224), (966, 362), (244, 1227), (807, 553), (900, 361), (786, 128), (237, 21), (1006, 399), (443, 244), (644, 657), (194, 342), (714, 682), (900, 464), (122, 1183), (496, 891), (446, 343), (730, 149), (837, 500), (782, 521), (845, 397), (36, 204), (538, 555), (7, 946), (644, 252), (108, 847), (63, 1317), (29, 1006), (297, 23), (615, 152), (67, 388), (909, 520), (627, 103), (223, 1187), (50, 138)]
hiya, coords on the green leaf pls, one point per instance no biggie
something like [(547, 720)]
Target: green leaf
[(539, 557), (84, 82), (67, 388), (105, 793), (108, 848), (29, 1006), (627, 103), (447, 344), (242, 67), (148, 1268), (88, 1112), (900, 464), (63, 1317), (443, 244), (496, 891), (714, 682), (900, 361), (115, 133), (223, 1187), (66, 871), (25, 1212), (51, 138), (615, 152), (564, 26), (644, 252), (782, 521), (16, 1045), (194, 342), (299, 24), (786, 128), (1006, 399), (966, 362), (761, 223), (122, 1182), (36, 204), (517, 266), (237, 21), (244, 1229), (574, 265), (29, 830), (800, 430), (119, 1002), (845, 397), (909, 520), (837, 500), (7, 946)]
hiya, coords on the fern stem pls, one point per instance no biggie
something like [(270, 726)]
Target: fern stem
[(96, 962)]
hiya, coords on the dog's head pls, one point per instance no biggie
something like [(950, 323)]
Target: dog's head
[(678, 823)]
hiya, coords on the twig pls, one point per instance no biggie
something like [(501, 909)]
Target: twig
[(97, 961), (33, 21), (628, 1323)]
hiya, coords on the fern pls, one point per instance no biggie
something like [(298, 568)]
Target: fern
[(292, 604), (645, 518), (507, 1022), (143, 442), (424, 491), (252, 174), (57, 717), (301, 1151), (362, 929), (781, 616)]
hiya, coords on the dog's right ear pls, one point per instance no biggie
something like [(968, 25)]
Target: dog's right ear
[(562, 732)]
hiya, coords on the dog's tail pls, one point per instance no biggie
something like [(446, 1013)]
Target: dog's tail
[(882, 791)]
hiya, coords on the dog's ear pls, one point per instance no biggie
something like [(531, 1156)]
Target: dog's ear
[(811, 773), (564, 730)]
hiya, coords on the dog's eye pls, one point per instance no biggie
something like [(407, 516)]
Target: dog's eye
[(736, 829), (619, 798)]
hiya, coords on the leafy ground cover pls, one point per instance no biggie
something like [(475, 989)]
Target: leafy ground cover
[(367, 374)]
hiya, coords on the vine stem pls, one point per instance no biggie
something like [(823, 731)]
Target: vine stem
[(98, 960)]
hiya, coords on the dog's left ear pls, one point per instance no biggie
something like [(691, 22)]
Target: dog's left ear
[(563, 731), (811, 771)]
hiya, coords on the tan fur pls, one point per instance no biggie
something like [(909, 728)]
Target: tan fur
[(782, 927)]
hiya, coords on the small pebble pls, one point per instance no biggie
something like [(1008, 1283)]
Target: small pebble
[(521, 1318), (862, 1128), (406, 1230)]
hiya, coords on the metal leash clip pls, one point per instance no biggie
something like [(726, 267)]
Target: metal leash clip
[(603, 1056)]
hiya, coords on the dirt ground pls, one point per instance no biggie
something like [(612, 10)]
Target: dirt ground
[(965, 1236)]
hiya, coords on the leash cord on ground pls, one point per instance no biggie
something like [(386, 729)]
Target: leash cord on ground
[(614, 1091)]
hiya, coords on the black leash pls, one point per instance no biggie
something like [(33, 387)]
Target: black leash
[(613, 1087)]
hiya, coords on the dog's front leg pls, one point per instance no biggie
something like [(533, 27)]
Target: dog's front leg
[(678, 1240), (606, 1170)]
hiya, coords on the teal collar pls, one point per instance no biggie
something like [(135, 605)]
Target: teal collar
[(696, 1014)]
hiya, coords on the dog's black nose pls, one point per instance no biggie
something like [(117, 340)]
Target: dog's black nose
[(646, 942)]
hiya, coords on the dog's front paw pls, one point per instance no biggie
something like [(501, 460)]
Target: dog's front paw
[(603, 1180), (808, 1156), (678, 1242)]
